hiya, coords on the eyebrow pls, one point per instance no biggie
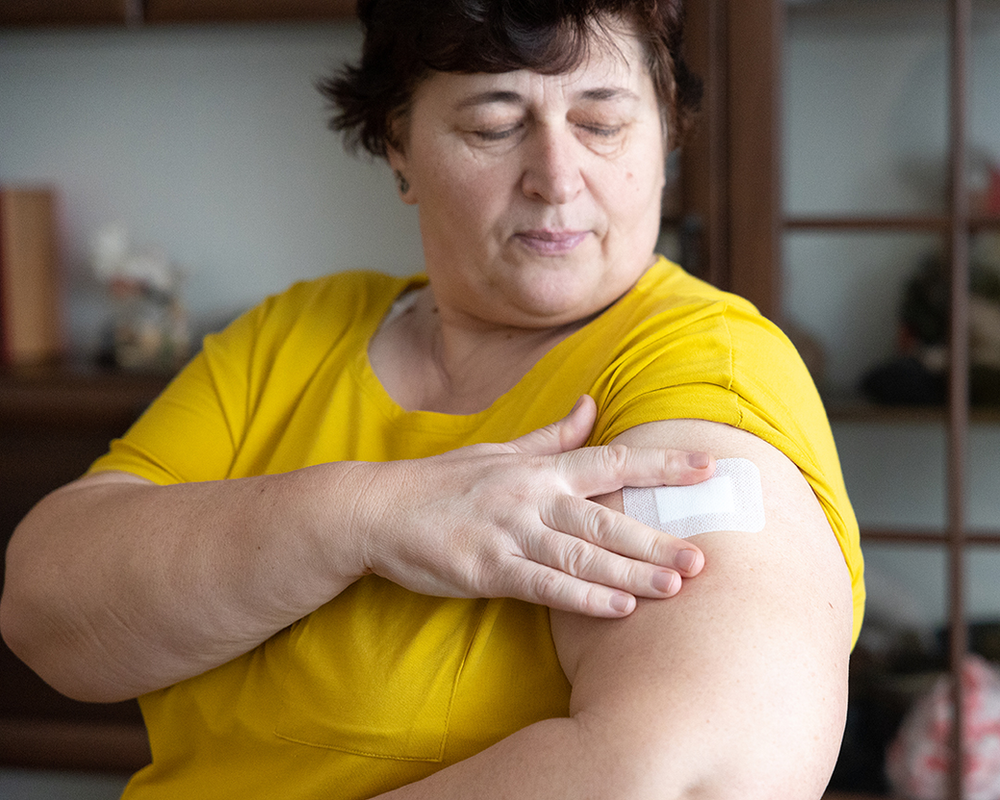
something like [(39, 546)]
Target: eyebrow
[(487, 98), (514, 98)]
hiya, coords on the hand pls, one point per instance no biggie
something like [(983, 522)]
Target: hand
[(514, 520)]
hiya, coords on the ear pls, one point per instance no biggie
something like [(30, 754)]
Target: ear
[(398, 164)]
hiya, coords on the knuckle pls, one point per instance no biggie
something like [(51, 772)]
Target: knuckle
[(616, 457), (594, 522), (577, 558), (545, 585), (662, 549), (594, 600)]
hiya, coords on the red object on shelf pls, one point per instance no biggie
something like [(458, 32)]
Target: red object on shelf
[(992, 203), (919, 758)]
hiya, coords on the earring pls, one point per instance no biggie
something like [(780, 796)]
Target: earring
[(401, 182)]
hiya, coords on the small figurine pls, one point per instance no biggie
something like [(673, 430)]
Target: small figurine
[(149, 330)]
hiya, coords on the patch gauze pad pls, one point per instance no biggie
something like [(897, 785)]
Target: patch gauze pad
[(731, 500)]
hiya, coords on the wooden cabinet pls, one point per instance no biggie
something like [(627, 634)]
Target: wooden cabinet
[(53, 424)]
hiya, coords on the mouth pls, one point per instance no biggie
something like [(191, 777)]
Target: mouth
[(551, 242)]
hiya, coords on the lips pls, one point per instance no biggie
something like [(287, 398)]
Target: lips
[(551, 242)]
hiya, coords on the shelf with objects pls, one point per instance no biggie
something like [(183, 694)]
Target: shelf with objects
[(892, 265)]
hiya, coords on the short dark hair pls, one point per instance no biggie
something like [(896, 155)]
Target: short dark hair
[(405, 40)]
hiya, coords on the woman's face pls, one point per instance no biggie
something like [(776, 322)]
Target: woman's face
[(538, 195)]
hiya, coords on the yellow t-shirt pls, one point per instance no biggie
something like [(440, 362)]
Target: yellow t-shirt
[(381, 687)]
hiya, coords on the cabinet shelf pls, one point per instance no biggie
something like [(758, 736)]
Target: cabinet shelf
[(896, 12), (118, 747), (63, 397), (921, 223), (159, 11), (70, 12), (859, 410), (152, 12), (929, 537)]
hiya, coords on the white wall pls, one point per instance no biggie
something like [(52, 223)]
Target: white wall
[(209, 141)]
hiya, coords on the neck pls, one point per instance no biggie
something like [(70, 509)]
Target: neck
[(432, 360)]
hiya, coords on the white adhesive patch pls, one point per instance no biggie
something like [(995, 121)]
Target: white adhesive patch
[(731, 500)]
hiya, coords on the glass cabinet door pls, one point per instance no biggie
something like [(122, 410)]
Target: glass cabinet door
[(868, 137)]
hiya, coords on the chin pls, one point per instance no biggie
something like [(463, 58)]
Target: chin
[(556, 306)]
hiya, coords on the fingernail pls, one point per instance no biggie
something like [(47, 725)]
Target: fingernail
[(622, 603), (685, 560), (665, 582), (698, 460)]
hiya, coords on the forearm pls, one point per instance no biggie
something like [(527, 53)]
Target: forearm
[(115, 586), (594, 756), (550, 760)]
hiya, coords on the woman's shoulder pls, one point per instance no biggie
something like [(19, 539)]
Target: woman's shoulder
[(305, 320), (354, 290), (337, 301), (667, 286), (669, 305)]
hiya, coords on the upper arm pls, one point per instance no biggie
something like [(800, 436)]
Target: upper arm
[(738, 685)]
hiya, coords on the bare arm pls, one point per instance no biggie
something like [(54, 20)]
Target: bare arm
[(736, 688), (116, 586)]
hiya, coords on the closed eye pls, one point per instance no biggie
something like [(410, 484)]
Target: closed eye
[(496, 134), (603, 130)]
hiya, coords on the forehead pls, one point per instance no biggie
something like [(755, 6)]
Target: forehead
[(615, 68)]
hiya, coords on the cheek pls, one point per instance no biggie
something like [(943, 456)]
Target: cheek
[(476, 195), (637, 185)]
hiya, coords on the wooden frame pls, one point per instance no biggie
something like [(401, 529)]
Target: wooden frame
[(731, 178)]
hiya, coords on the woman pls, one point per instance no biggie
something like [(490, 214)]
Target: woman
[(283, 556)]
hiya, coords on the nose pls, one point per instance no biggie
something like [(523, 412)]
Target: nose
[(553, 168)]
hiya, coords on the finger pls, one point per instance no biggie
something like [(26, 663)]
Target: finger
[(591, 471), (588, 562), (555, 589), (634, 543), (568, 433)]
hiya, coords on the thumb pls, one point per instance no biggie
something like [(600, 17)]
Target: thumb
[(568, 433)]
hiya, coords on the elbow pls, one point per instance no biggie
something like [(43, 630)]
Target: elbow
[(11, 627), (726, 767), (31, 630), (749, 772), (18, 628), (767, 779), (21, 629), (25, 633), (44, 651)]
